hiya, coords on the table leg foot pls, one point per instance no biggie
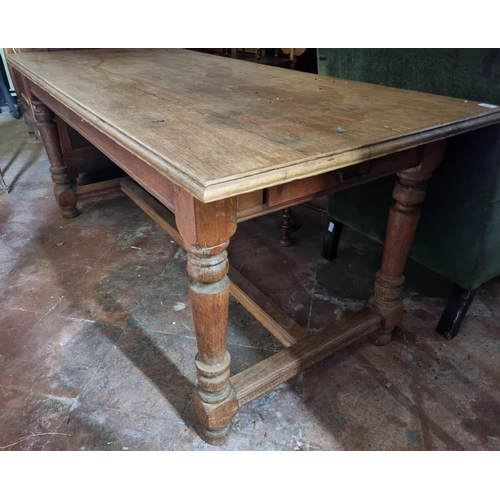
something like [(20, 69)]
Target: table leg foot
[(386, 300), (70, 213), (214, 398), (215, 410), (64, 193), (218, 437)]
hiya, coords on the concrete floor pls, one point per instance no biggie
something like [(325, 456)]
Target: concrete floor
[(97, 340)]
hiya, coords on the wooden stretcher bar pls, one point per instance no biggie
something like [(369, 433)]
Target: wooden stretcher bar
[(301, 350), (262, 377), (248, 295)]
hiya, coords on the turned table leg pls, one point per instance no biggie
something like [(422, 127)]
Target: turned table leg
[(408, 193), (289, 225), (286, 228), (206, 229), (63, 191)]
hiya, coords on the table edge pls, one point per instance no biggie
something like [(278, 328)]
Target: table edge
[(276, 174)]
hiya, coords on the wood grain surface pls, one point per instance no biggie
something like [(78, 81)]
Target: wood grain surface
[(261, 377), (222, 127)]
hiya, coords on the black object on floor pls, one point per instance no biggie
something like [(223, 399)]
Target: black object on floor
[(14, 111), (331, 240), (455, 311)]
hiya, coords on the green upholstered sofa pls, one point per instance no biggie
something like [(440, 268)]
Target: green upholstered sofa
[(459, 231)]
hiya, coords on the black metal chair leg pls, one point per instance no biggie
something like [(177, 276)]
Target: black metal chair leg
[(455, 311), (3, 184), (331, 240), (14, 111)]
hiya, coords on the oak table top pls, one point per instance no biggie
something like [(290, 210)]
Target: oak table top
[(221, 127)]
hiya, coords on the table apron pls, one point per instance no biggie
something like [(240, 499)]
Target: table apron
[(250, 205), (145, 175)]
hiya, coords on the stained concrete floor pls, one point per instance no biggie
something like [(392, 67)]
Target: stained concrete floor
[(97, 340)]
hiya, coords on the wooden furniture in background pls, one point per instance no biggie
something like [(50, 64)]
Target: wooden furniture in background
[(285, 58), (293, 54), (272, 57), (217, 142)]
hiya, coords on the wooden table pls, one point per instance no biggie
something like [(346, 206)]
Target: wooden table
[(218, 141)]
